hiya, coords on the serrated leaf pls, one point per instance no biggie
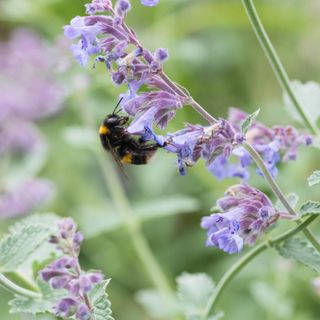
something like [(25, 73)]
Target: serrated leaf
[(100, 302), (310, 208), (302, 251), (20, 243), (194, 291), (154, 301), (248, 121), (292, 198), (314, 179), (22, 304), (308, 94)]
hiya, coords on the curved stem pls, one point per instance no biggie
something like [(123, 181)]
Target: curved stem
[(131, 222), (236, 268), (277, 191), (275, 62), (12, 287)]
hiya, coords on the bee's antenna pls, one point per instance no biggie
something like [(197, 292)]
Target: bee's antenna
[(116, 107)]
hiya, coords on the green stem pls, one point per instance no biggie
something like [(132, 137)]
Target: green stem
[(236, 268), (131, 222), (133, 226), (275, 62), (12, 287), (277, 191)]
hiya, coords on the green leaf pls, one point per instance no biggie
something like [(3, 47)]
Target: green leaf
[(247, 123), (310, 208), (154, 301), (308, 94), (168, 206), (100, 302), (292, 198), (94, 221), (50, 297), (217, 316), (23, 239), (302, 251), (194, 291), (314, 179)]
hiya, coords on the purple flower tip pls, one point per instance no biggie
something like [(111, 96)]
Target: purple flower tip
[(161, 55), (123, 7), (150, 3)]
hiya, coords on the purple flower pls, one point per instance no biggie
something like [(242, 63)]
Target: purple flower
[(66, 307), (273, 144), (88, 44), (161, 55), (246, 213), (150, 3), (25, 197), (222, 169), (65, 273), (208, 143)]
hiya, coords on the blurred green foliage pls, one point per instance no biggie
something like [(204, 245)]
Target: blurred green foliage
[(214, 54)]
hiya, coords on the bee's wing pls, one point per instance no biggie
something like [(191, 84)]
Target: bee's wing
[(116, 158)]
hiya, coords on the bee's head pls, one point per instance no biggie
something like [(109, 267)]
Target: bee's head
[(115, 120)]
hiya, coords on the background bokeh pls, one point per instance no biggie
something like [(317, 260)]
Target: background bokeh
[(213, 53)]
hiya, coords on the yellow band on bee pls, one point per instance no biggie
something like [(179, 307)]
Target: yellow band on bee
[(127, 159), (103, 130)]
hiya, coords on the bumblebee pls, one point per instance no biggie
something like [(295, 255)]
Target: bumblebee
[(124, 147)]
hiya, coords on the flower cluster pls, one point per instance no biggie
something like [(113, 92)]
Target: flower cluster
[(110, 40), (24, 101), (279, 143), (65, 273), (152, 100), (245, 214)]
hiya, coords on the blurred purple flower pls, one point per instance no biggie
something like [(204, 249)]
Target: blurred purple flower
[(25, 198), (246, 213), (29, 92), (22, 98), (65, 273), (19, 137), (150, 3)]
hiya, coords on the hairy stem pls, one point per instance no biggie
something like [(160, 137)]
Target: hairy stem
[(12, 287), (131, 222), (275, 62), (277, 191), (237, 267)]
